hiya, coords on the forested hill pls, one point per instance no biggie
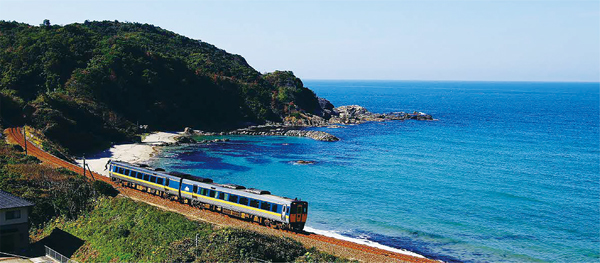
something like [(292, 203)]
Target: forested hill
[(88, 85)]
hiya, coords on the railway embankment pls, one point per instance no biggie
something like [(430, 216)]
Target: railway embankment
[(312, 243), (129, 227)]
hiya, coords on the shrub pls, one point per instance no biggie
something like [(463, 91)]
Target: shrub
[(231, 244), (104, 188)]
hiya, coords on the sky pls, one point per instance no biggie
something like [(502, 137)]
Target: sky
[(380, 40)]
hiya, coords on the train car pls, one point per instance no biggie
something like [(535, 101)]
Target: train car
[(145, 178), (259, 205), (234, 200)]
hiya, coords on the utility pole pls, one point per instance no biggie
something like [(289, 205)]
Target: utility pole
[(197, 245), (25, 139), (90, 170)]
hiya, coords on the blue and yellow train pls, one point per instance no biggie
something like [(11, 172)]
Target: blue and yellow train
[(234, 200)]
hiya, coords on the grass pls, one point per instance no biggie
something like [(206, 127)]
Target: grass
[(119, 229)]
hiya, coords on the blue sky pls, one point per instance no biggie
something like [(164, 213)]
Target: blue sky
[(401, 40)]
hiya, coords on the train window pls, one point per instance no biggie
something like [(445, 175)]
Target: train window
[(299, 210), (153, 179), (195, 189), (222, 196), (233, 198), (167, 182), (146, 177), (132, 173), (212, 193), (243, 201), (274, 207), (305, 209), (253, 203), (203, 191), (140, 175), (159, 181), (265, 206), (121, 170)]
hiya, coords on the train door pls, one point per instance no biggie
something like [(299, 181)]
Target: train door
[(296, 211), (304, 211)]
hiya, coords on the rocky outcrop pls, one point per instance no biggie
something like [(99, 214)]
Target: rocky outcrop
[(280, 130), (304, 162), (317, 135), (332, 117), (185, 139), (351, 114), (355, 114), (188, 131), (326, 108)]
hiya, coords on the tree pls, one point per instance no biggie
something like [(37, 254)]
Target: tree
[(46, 23)]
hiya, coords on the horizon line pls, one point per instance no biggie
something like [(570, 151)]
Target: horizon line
[(421, 80)]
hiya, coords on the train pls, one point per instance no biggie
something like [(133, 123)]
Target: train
[(233, 200)]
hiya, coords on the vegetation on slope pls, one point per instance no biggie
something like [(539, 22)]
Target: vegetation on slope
[(55, 192), (88, 85), (121, 230)]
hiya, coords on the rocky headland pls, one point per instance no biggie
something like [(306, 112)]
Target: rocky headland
[(294, 125)]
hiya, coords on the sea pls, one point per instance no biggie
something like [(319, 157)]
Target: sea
[(508, 171)]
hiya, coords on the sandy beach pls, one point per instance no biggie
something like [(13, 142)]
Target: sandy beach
[(131, 153)]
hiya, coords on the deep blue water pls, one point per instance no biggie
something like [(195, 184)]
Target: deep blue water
[(509, 172)]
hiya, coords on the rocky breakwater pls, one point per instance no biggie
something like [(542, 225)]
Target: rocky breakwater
[(271, 129), (282, 130)]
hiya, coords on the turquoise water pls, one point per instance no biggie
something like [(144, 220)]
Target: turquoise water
[(509, 172)]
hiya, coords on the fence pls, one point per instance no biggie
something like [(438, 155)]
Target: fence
[(57, 256)]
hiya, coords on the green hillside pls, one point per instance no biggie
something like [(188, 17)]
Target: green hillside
[(88, 85), (116, 229)]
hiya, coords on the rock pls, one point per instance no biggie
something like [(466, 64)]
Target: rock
[(188, 131), (420, 116), (304, 162), (184, 139), (351, 111), (325, 104), (317, 135), (326, 108)]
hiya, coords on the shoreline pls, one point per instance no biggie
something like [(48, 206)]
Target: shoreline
[(144, 151), (131, 152)]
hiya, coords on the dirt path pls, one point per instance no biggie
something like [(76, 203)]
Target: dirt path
[(334, 246)]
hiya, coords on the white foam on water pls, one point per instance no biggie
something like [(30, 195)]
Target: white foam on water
[(362, 241)]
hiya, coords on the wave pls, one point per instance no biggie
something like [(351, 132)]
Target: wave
[(360, 240)]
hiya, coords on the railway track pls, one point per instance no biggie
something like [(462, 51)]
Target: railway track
[(334, 246)]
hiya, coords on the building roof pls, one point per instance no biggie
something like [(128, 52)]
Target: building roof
[(10, 201)]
